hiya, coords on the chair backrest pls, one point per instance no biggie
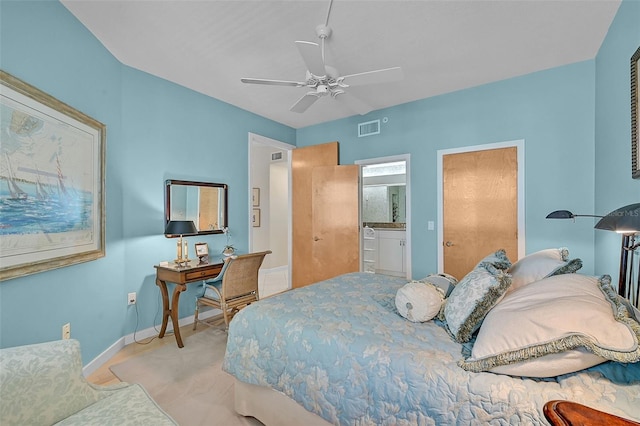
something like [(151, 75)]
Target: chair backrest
[(241, 275)]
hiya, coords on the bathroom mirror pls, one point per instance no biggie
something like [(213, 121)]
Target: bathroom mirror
[(204, 203), (384, 203), (384, 193)]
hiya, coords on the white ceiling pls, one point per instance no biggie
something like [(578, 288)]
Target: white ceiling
[(442, 46)]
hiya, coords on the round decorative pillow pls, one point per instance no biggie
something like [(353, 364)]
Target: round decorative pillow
[(419, 301)]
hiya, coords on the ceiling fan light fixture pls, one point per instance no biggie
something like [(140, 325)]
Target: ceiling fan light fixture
[(326, 79)]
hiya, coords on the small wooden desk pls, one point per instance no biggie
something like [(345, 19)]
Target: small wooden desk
[(181, 276)]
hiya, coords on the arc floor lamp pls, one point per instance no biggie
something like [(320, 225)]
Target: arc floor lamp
[(625, 221)]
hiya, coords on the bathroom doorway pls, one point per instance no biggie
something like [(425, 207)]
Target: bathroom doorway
[(385, 215)]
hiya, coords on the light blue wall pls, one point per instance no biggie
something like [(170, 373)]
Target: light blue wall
[(553, 111), (614, 185), (44, 45), (156, 130), (571, 119)]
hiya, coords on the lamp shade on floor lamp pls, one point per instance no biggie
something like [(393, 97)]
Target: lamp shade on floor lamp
[(626, 221)]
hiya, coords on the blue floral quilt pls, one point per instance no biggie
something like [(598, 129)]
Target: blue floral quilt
[(340, 349)]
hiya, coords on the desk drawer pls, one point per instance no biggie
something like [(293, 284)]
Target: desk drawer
[(201, 275)]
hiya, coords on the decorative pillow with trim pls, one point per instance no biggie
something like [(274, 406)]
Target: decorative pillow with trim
[(555, 326), (444, 282), (498, 259), (542, 264), (471, 299)]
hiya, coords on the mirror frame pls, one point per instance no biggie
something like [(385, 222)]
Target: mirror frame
[(167, 204)]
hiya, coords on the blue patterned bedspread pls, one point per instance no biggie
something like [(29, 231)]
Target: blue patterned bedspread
[(340, 349)]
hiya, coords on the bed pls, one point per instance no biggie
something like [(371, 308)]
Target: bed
[(338, 352)]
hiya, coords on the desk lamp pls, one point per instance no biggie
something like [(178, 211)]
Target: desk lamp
[(181, 227)]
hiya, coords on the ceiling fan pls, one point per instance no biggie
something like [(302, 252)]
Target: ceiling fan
[(325, 80)]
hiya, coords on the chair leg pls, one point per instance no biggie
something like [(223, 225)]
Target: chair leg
[(226, 317), (195, 317)]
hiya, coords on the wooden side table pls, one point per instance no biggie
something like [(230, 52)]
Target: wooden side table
[(181, 276), (567, 413)]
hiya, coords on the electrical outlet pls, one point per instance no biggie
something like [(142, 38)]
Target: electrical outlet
[(66, 331), (131, 298)]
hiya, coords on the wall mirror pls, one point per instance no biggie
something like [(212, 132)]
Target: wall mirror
[(204, 203)]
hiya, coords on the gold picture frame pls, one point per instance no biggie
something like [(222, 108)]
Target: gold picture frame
[(53, 165), (635, 114)]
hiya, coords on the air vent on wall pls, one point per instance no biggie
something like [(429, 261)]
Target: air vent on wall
[(369, 128), (276, 156)]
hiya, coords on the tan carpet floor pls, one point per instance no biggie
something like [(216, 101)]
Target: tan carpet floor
[(188, 383)]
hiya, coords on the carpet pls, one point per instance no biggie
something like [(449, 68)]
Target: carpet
[(188, 383)]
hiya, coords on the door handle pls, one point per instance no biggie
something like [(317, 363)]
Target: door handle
[(448, 244), (316, 239)]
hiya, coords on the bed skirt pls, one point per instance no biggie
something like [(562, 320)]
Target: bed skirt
[(271, 407)]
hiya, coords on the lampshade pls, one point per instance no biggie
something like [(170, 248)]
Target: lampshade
[(625, 220), (560, 214), (566, 214), (180, 227)]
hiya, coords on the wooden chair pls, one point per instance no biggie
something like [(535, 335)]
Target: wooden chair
[(234, 288)]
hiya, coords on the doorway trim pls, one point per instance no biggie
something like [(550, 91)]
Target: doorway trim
[(254, 138), (407, 159), (519, 145)]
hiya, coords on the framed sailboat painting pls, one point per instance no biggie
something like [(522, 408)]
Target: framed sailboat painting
[(52, 198)]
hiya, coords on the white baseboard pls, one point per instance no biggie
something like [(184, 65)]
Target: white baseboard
[(105, 356)]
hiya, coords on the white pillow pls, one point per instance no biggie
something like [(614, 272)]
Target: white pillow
[(554, 326), (541, 264), (419, 301)]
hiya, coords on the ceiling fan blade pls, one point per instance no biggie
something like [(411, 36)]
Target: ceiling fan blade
[(304, 102), (312, 56), (374, 77), (354, 103), (272, 82)]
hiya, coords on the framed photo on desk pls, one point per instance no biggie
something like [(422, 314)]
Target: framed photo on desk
[(202, 251)]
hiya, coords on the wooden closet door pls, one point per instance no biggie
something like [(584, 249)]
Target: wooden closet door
[(480, 207), (335, 246), (303, 160), (320, 239)]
